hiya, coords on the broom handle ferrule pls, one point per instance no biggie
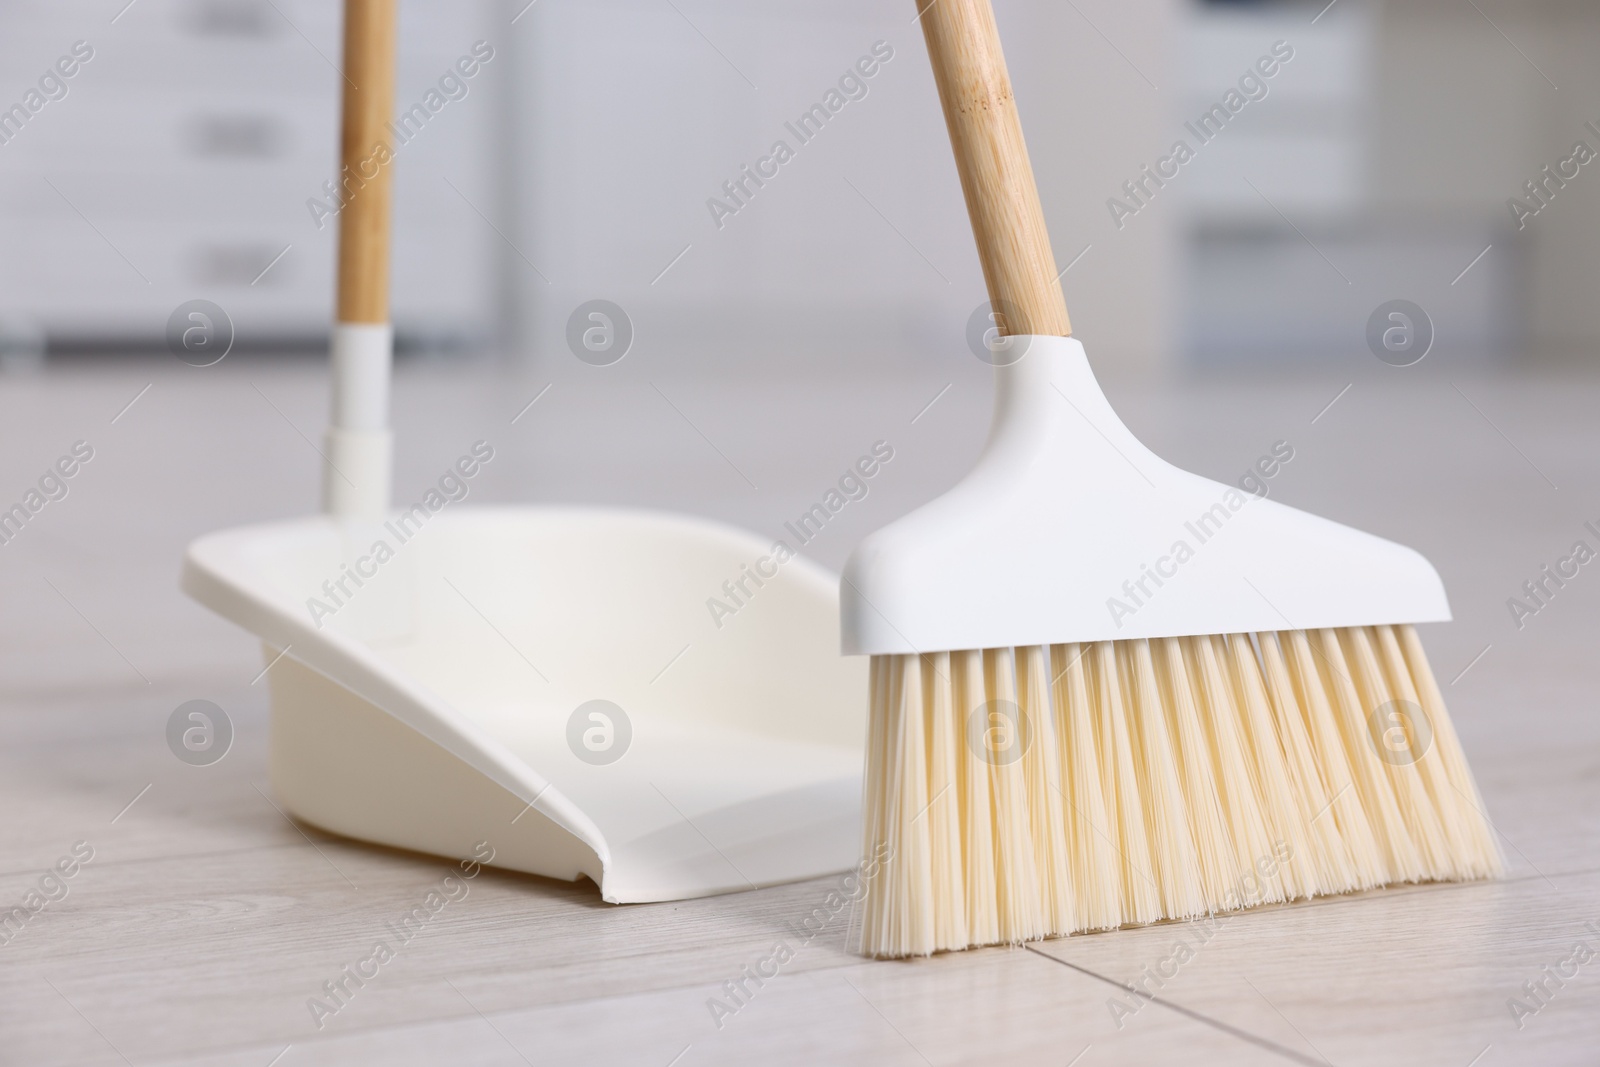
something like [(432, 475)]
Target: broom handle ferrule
[(1002, 199)]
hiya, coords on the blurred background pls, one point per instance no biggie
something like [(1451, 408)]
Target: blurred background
[(1336, 156), (186, 159)]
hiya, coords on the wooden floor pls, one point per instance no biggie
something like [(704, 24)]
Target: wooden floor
[(206, 920)]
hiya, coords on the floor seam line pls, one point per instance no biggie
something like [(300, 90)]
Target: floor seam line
[(1228, 1028)]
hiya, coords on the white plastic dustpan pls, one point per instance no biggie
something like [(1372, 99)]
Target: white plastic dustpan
[(548, 681), (433, 707)]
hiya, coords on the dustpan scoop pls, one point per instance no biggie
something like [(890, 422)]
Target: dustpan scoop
[(740, 748)]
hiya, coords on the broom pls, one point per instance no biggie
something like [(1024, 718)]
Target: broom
[(1107, 691)]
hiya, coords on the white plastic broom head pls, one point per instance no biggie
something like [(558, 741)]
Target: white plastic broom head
[(1068, 529)]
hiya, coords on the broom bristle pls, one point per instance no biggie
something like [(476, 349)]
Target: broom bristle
[(1016, 794)]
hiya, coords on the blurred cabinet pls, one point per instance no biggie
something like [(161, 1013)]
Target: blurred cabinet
[(1301, 135), (180, 160), (1300, 216)]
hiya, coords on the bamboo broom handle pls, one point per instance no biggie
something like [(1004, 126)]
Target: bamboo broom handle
[(1002, 200), (369, 45)]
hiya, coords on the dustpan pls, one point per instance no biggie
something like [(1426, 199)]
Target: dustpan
[(546, 686)]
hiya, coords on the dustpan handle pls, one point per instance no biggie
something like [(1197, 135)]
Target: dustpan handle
[(1002, 199), (356, 479)]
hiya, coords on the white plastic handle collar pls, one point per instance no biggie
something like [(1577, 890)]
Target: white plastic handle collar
[(359, 447)]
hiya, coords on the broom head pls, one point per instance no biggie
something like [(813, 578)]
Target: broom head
[(1108, 691)]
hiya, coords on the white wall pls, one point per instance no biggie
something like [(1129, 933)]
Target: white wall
[(1471, 119), (858, 252), (1392, 146)]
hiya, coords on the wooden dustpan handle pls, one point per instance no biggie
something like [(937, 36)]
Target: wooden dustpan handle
[(1002, 200)]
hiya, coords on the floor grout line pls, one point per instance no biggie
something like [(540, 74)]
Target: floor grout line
[(1200, 1017)]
